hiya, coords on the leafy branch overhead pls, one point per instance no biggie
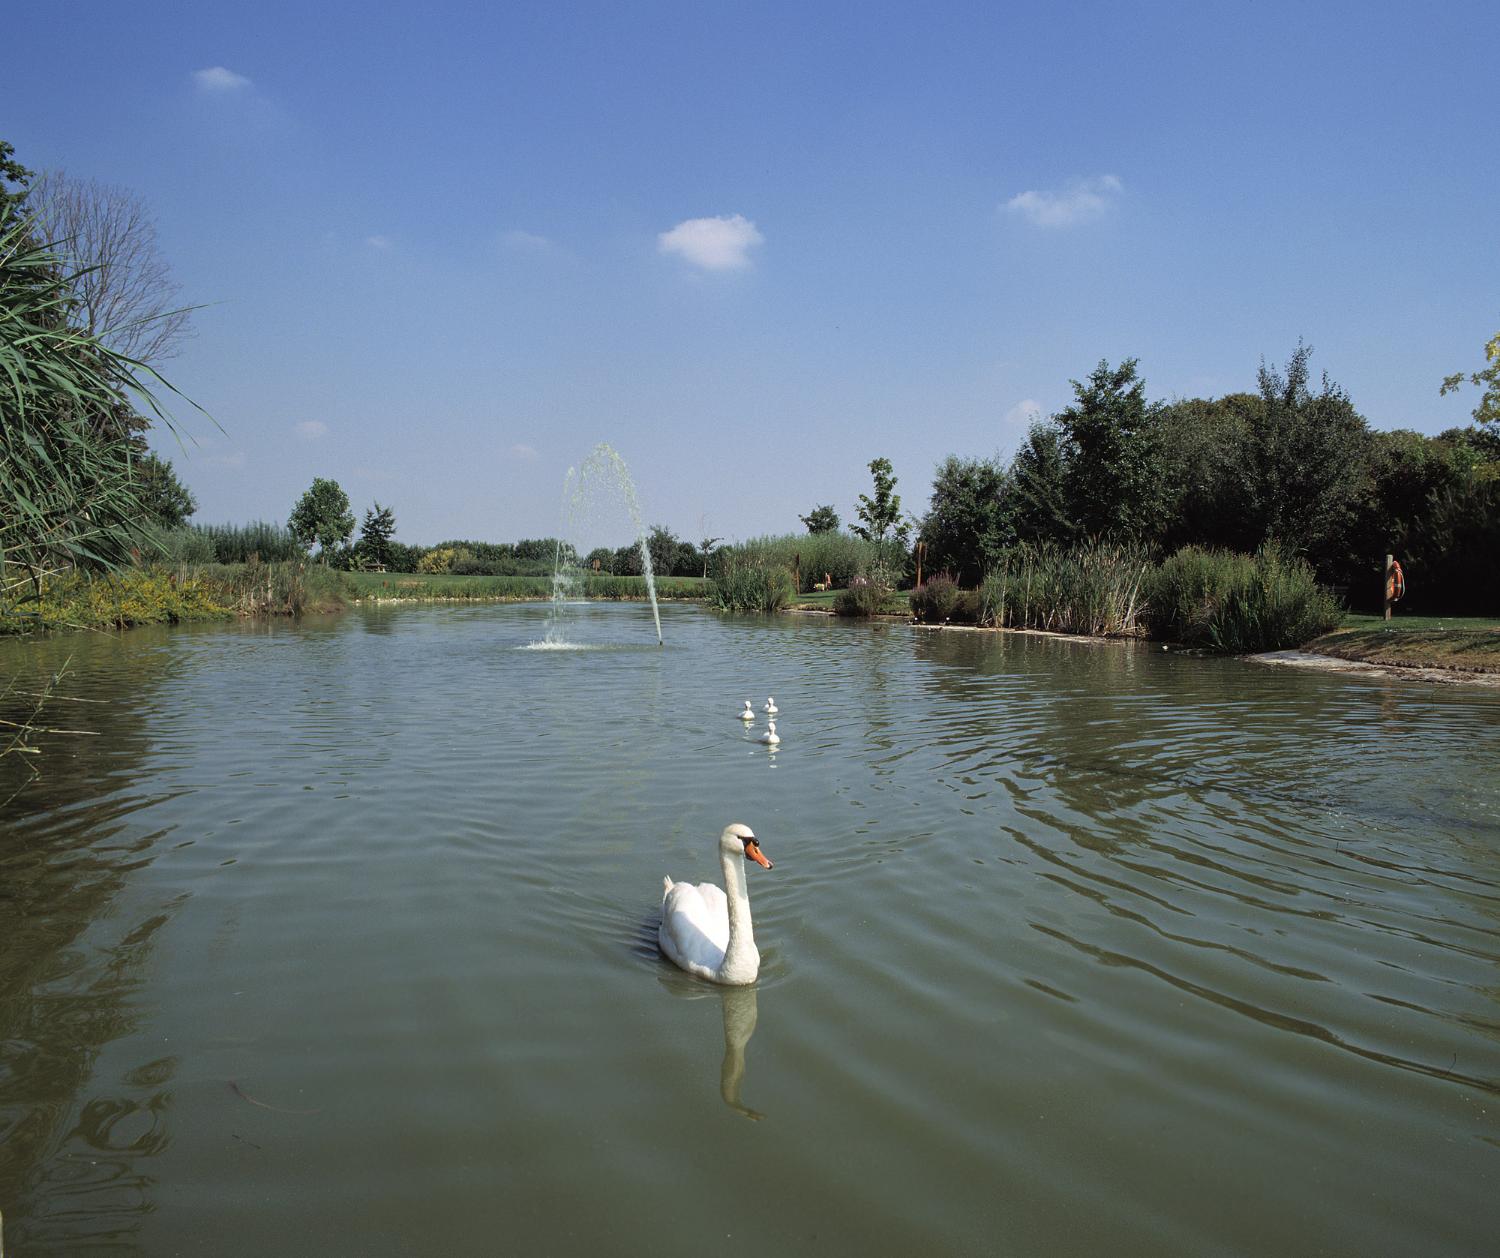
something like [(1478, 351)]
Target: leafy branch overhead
[(1488, 410)]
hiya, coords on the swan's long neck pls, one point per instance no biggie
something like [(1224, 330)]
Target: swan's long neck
[(741, 951)]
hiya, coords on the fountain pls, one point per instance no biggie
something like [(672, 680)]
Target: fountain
[(601, 477)]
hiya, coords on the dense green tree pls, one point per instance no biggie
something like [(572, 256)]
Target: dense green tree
[(165, 500), (882, 512), (1200, 446), (14, 179), (663, 545), (322, 515), (604, 556), (966, 525), (1305, 466), (627, 561), (1488, 382), (376, 533), (821, 519), (1112, 479), (1037, 506)]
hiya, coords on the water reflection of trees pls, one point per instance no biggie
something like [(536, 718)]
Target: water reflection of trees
[(78, 1125)]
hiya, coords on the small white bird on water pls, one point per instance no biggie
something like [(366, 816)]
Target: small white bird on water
[(771, 709), (749, 713), (771, 736)]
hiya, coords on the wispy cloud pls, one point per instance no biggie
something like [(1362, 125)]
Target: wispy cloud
[(236, 459), (715, 244), (519, 241), (219, 79), (524, 452), (1080, 201), (312, 429), (379, 242), (1023, 414)]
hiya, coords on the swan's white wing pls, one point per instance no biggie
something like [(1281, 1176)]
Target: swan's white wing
[(695, 926)]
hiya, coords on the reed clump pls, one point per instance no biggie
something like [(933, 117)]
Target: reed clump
[(752, 586), (228, 544), (1240, 604), (838, 556), (1096, 588)]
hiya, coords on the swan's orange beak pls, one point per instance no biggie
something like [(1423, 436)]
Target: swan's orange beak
[(753, 852)]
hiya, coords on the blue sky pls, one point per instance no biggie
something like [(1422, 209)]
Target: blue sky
[(446, 248)]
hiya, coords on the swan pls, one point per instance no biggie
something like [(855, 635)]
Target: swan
[(749, 713), (706, 932), (771, 709), (771, 736)]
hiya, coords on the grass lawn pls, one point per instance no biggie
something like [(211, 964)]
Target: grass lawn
[(1470, 644), (822, 600)]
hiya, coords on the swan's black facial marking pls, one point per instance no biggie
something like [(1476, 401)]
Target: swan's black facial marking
[(753, 852)]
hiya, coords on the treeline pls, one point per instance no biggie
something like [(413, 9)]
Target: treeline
[(1293, 464)]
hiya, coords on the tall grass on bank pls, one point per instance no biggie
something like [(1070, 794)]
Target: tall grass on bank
[(751, 587), (601, 585), (1240, 603), (1095, 588), (229, 543), (840, 556)]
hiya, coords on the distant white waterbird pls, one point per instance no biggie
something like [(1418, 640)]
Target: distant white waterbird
[(749, 713), (771, 736), (771, 709)]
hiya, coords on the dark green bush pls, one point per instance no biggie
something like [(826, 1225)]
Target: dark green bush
[(1239, 603), (933, 602)]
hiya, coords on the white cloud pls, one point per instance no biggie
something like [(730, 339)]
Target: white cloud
[(1079, 202), (219, 79), (525, 242), (1023, 414), (715, 244), (312, 429), (524, 452), (379, 242), (237, 459)]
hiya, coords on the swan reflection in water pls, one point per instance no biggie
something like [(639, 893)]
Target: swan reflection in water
[(740, 1013)]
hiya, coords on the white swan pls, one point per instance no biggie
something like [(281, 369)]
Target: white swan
[(749, 713), (770, 709), (771, 736), (706, 932)]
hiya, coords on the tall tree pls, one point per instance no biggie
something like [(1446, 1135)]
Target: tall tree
[(1305, 464), (882, 512), (71, 490), (11, 172), (821, 519), (165, 500), (376, 533), (1488, 380), (124, 294), (1037, 508), (1112, 480), (965, 527), (322, 515)]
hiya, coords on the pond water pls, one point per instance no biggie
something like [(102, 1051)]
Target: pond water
[(338, 938)]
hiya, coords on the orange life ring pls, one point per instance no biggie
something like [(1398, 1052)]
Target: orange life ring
[(1395, 583)]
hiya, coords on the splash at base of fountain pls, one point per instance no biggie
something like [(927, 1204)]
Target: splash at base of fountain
[(601, 477)]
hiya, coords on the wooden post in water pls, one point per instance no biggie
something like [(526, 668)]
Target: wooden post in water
[(797, 571), (921, 550), (1390, 561)]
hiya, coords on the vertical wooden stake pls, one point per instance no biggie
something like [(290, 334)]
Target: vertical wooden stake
[(921, 550), (1386, 588), (797, 571)]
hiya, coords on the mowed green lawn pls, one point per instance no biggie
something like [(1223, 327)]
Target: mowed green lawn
[(1469, 643)]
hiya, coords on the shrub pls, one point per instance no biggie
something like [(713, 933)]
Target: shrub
[(1240, 603), (934, 602)]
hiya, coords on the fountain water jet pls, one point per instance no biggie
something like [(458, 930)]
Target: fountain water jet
[(584, 490)]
